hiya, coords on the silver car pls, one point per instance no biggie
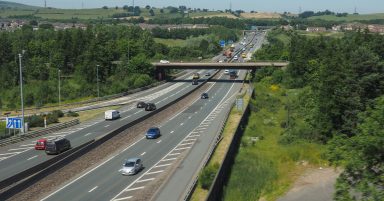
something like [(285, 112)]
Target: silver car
[(131, 166)]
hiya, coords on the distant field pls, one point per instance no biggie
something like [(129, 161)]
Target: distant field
[(211, 14), (261, 15), (349, 18), (171, 42)]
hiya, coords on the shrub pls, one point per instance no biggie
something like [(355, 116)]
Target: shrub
[(207, 175), (35, 121), (52, 118), (58, 113), (72, 114)]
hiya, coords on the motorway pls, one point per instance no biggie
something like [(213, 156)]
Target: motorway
[(179, 133), (21, 156)]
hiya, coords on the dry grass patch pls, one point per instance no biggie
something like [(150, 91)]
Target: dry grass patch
[(228, 15), (261, 15)]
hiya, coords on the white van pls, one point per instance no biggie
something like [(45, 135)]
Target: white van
[(112, 114)]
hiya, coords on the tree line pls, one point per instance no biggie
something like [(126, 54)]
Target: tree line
[(120, 56), (341, 84)]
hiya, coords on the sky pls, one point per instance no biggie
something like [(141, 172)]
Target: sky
[(293, 6)]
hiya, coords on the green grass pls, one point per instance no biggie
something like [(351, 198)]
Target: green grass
[(266, 168), (171, 42), (350, 17), (284, 38)]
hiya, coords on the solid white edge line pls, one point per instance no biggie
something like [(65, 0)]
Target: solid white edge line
[(92, 189)]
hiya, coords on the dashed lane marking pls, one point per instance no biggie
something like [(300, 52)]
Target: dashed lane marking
[(94, 188), (143, 154), (106, 126), (32, 158)]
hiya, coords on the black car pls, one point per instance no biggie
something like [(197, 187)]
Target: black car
[(56, 146), (204, 96), (141, 104), (195, 82), (150, 107)]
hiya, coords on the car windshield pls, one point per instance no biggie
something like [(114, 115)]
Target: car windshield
[(129, 164), (152, 130), (40, 143)]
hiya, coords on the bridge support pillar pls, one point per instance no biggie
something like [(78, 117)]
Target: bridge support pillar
[(160, 74)]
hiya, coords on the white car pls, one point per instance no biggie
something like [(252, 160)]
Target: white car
[(131, 166), (226, 71), (235, 57), (164, 62)]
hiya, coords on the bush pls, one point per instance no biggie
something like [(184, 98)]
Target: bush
[(52, 118), (58, 113), (35, 121), (72, 114), (207, 176)]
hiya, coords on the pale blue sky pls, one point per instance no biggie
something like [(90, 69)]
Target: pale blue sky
[(363, 6)]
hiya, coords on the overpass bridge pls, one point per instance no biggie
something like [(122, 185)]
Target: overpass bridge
[(161, 67)]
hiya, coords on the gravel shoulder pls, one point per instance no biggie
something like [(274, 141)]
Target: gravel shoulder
[(313, 185)]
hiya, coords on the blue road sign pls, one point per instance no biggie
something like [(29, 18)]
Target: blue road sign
[(222, 43), (14, 123)]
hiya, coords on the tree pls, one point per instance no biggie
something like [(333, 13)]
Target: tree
[(161, 10), (362, 155), (151, 12), (147, 7), (105, 7)]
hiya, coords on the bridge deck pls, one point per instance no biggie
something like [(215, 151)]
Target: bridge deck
[(248, 65)]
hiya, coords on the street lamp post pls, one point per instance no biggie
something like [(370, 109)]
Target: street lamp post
[(21, 94), (97, 79), (59, 88)]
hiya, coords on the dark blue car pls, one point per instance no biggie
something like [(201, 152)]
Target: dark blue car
[(153, 133)]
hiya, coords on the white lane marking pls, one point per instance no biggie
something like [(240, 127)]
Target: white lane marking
[(143, 154), (106, 126), (25, 145), (189, 117), (144, 180), (87, 134), (124, 198), (158, 141), (160, 171), (172, 132), (174, 154), (94, 188), (194, 136), (137, 112), (181, 124), (188, 143), (125, 118), (182, 148), (78, 178), (170, 159), (10, 153), (24, 148), (32, 158), (157, 166), (132, 189), (186, 140)]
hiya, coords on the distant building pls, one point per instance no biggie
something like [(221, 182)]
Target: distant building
[(336, 28), (376, 28), (316, 29), (287, 27)]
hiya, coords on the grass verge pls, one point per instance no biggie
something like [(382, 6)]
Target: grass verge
[(221, 149), (264, 167)]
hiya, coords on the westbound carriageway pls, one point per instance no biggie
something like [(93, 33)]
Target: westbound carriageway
[(162, 67)]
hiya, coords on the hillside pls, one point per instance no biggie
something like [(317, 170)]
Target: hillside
[(350, 17), (12, 5)]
